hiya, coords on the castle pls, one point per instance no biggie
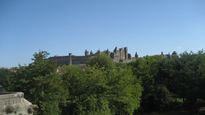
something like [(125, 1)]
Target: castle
[(118, 55)]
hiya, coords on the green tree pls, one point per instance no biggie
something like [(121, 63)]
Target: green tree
[(41, 84), (5, 75), (125, 91), (101, 61), (152, 75), (87, 91), (187, 75), (97, 90)]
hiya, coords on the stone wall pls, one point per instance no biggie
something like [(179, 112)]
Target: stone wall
[(80, 59), (69, 60), (10, 98), (61, 60), (118, 55), (16, 103)]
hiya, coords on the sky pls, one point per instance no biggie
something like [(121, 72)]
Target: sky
[(61, 27)]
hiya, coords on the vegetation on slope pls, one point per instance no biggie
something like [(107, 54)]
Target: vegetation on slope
[(102, 87)]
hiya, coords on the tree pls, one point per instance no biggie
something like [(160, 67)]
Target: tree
[(125, 91), (162, 98), (101, 61), (40, 84), (151, 72), (103, 89), (87, 91), (188, 74), (5, 75)]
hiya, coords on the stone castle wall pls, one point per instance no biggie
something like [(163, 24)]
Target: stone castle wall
[(69, 60), (118, 55)]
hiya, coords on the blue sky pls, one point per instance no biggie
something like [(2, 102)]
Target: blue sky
[(62, 26)]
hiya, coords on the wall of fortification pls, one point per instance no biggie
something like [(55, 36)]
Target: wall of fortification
[(118, 55), (60, 60), (80, 59)]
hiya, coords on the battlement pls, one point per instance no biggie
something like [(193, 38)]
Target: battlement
[(118, 55)]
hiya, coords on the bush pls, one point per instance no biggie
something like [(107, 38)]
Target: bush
[(101, 61), (9, 109), (162, 98), (30, 110), (94, 91)]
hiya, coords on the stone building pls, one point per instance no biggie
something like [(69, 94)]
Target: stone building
[(118, 55)]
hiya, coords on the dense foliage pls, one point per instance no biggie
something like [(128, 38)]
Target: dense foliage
[(102, 87), (5, 75), (167, 79), (101, 61), (102, 90), (40, 84)]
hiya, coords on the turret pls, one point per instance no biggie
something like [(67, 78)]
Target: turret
[(98, 52), (107, 52), (91, 52), (115, 50), (126, 53), (136, 55), (86, 53), (162, 54), (129, 56), (70, 58)]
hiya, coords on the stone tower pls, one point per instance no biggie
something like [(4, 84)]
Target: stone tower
[(115, 50), (121, 52), (136, 55), (86, 53), (126, 53), (91, 52), (107, 52), (70, 58)]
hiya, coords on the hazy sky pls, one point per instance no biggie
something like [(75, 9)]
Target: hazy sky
[(62, 26)]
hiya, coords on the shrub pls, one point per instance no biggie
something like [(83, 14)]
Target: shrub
[(30, 110), (101, 61), (9, 109)]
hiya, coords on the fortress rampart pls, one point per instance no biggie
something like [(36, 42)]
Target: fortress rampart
[(118, 55)]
